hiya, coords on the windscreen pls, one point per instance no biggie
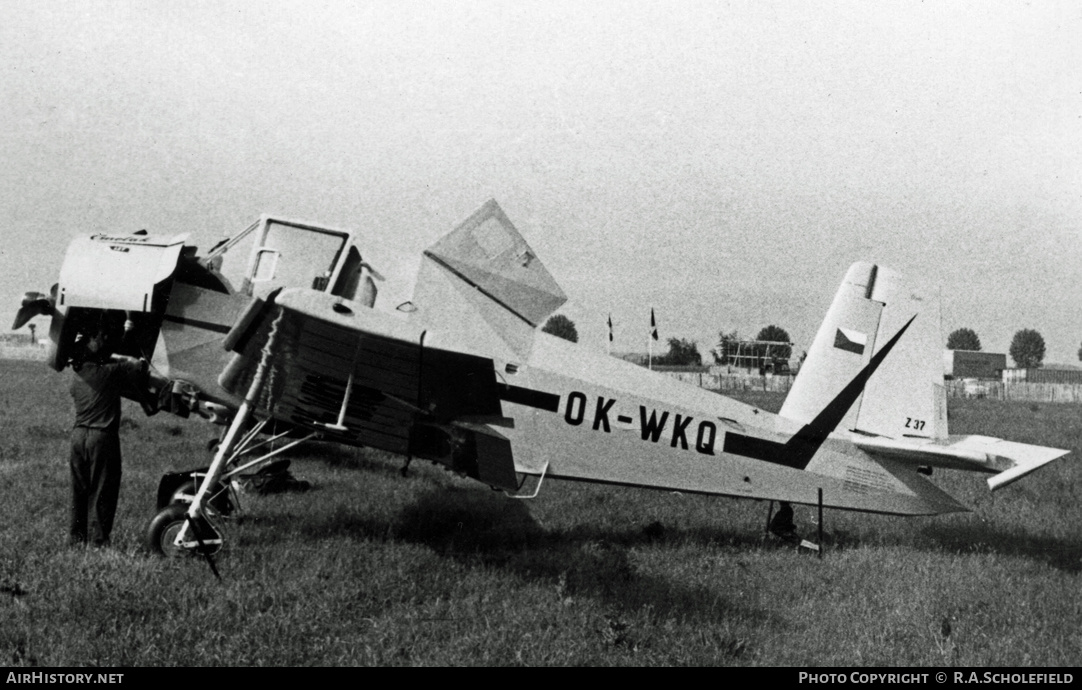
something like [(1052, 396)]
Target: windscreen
[(294, 256), (232, 261)]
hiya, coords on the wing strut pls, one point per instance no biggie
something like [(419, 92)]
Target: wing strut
[(340, 425)]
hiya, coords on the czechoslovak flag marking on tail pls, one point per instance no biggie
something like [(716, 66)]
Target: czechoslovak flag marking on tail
[(850, 340)]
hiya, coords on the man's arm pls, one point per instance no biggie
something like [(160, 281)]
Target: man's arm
[(135, 381)]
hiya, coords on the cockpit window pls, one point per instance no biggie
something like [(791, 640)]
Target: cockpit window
[(231, 259), (294, 256), (277, 254)]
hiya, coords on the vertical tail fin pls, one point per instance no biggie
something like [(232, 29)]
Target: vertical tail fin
[(905, 396)]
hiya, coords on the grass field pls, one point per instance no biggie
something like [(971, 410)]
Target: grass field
[(370, 568)]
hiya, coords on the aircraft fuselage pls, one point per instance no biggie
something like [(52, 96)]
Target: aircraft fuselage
[(596, 425)]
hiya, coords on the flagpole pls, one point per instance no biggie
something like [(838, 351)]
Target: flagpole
[(610, 336), (650, 342)]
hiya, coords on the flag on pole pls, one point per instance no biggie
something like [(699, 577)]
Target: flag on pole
[(653, 325), (610, 328)]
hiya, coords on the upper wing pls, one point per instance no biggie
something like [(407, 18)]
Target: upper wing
[(363, 377), (484, 282)]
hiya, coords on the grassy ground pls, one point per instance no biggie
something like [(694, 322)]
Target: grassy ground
[(371, 568)]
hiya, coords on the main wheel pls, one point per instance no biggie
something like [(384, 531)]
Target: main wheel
[(166, 525), (219, 496), (185, 493), (163, 529)]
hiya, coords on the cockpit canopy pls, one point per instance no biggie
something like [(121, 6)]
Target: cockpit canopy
[(275, 253)]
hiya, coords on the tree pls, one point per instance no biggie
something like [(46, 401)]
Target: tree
[(726, 347), (681, 353), (774, 334), (561, 327), (1027, 349), (963, 339)]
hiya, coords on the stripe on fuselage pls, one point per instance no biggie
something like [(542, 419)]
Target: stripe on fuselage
[(205, 325), (797, 452), (550, 402)]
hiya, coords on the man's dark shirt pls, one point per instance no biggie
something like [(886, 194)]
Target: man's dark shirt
[(96, 390)]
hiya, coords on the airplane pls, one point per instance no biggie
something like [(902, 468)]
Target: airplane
[(289, 332)]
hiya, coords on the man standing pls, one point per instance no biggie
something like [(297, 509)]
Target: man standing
[(96, 388)]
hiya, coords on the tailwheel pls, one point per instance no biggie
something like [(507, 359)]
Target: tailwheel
[(202, 536)]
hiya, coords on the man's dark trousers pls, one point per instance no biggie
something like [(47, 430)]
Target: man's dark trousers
[(95, 483)]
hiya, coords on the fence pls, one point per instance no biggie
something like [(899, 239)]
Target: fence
[(728, 382), (1017, 390)]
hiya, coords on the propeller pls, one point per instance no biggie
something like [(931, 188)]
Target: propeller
[(34, 304)]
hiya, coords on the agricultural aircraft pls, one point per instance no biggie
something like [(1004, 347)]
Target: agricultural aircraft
[(286, 333)]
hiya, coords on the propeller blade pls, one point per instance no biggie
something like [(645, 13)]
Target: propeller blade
[(33, 304)]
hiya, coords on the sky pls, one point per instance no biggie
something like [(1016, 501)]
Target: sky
[(721, 162)]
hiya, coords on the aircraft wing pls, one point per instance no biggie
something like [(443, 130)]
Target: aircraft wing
[(363, 377), (1009, 461)]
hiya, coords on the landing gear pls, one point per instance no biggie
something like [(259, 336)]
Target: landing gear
[(189, 525), (201, 497), (191, 503), (163, 531), (781, 525), (185, 493), (175, 489)]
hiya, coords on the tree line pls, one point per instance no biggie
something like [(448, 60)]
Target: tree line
[(1027, 346)]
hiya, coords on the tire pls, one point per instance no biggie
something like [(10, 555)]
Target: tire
[(185, 494), (163, 529)]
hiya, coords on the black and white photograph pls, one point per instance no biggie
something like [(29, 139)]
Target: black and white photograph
[(648, 333)]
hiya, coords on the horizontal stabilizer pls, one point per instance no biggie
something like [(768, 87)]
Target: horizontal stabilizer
[(1008, 460), (931, 453), (1025, 459)]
